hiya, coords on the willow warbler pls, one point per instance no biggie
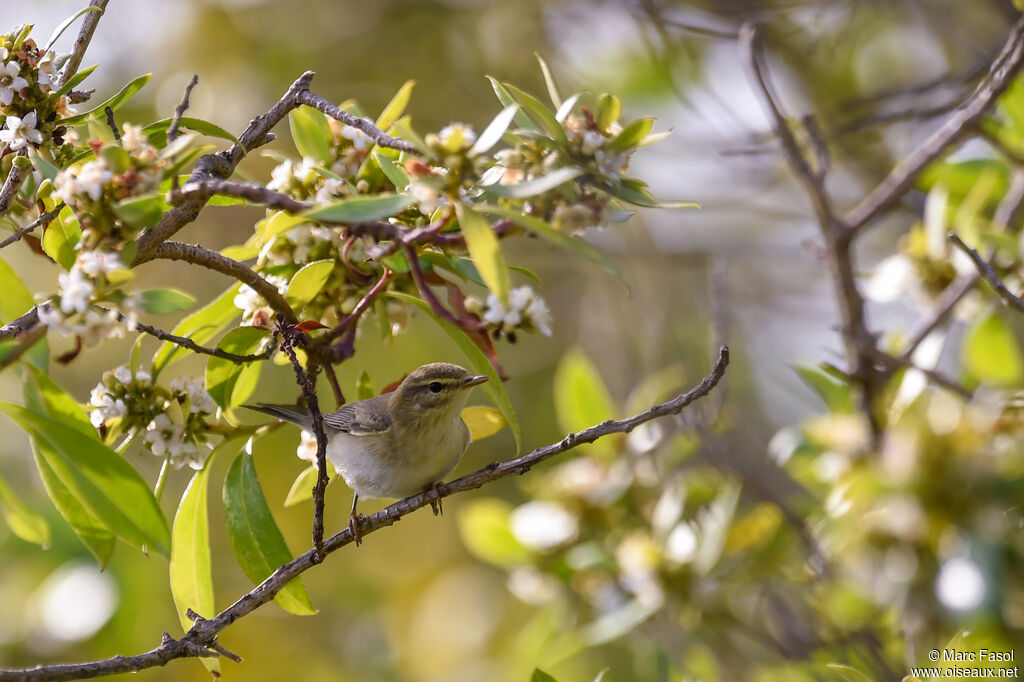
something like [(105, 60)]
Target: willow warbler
[(400, 443)]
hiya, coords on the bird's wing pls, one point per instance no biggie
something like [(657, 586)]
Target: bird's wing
[(358, 419)]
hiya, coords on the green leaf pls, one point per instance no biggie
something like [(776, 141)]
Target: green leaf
[(832, 390), (106, 485), (312, 134), (392, 171), (574, 244), (506, 99), (478, 362), (608, 110), (541, 676), (302, 487), (74, 80), (485, 250), (631, 135), (23, 522), (715, 525), (991, 353), (403, 129), (308, 282), (200, 326), (485, 531), (255, 538), (163, 301), (541, 114), (535, 186), (581, 397), (63, 26), (15, 302), (494, 130), (277, 223), (228, 383), (191, 573), (141, 211), (364, 387), (361, 209), (549, 81), (60, 238), (157, 131), (126, 93), (396, 107), (46, 398)]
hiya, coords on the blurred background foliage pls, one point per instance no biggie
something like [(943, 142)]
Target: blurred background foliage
[(683, 551)]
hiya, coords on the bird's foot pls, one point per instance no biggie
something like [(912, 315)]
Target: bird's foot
[(354, 520), (435, 504)]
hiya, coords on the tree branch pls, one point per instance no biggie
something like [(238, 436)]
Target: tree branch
[(988, 274), (901, 178), (373, 132), (197, 255), (256, 193), (20, 170), (191, 345), (44, 220), (92, 19), (179, 111)]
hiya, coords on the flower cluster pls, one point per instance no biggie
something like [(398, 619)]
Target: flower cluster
[(255, 311), (91, 281), (525, 311), (173, 418), (123, 170), (29, 109)]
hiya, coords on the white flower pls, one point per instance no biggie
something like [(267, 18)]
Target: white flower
[(427, 196), (97, 326), (457, 136), (307, 447), (360, 140), (591, 141), (133, 139), (543, 526), (89, 178), (199, 400), (124, 375), (46, 72), (330, 190), (165, 438), (75, 290), (250, 302), (524, 308), (611, 163), (11, 82), (21, 131), (107, 406), (94, 263)]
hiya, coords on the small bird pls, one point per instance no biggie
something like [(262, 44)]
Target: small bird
[(396, 444)]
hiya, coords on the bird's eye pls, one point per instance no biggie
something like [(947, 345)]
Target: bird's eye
[(435, 386)]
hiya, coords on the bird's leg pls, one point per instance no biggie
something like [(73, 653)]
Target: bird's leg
[(353, 520), (435, 505)]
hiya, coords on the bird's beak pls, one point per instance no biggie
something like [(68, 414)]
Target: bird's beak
[(473, 381)]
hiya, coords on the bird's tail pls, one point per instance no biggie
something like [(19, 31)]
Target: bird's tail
[(289, 413)]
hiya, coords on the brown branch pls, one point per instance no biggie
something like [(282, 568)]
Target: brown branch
[(20, 325), (373, 132), (179, 111), (988, 274), (191, 345), (108, 112), (197, 255), (92, 19), (26, 342), (44, 219), (361, 307), (199, 640), (892, 362), (901, 178), (425, 291), (20, 169), (259, 194), (944, 306)]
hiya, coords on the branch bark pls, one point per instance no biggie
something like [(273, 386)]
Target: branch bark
[(89, 24), (201, 639)]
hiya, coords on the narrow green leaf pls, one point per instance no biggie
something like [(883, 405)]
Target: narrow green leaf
[(63, 26), (103, 482), (302, 487), (255, 538), (200, 326), (581, 397), (23, 522), (392, 171), (541, 676), (157, 131), (535, 186), (609, 108), (494, 130), (836, 395), (396, 107), (60, 238), (403, 129), (277, 223), (308, 282), (16, 301), (574, 244), (541, 114), (74, 80), (44, 397), (191, 573), (231, 384), (361, 209), (991, 353), (506, 99), (485, 250), (122, 96), (141, 211), (549, 81), (163, 301), (312, 134), (364, 387), (478, 362), (631, 135)]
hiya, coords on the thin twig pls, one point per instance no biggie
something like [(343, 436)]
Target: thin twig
[(197, 255), (44, 219), (108, 112), (258, 194), (988, 274), (943, 308), (425, 291), (361, 307), (902, 177), (893, 362), (199, 639), (92, 19), (19, 171), (179, 111), (379, 137), (28, 320), (191, 345)]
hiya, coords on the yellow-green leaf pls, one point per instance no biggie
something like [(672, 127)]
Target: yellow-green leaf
[(396, 107), (61, 236), (308, 281), (485, 531), (200, 326), (581, 397), (302, 486), (23, 522), (312, 134), (485, 250), (229, 383), (361, 209), (991, 353), (482, 421)]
